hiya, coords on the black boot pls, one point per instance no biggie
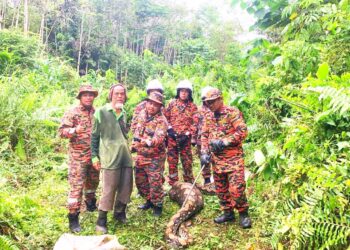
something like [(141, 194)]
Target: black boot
[(244, 220), (74, 225), (226, 216), (206, 181), (157, 210), (146, 205), (101, 224), (120, 213), (91, 205)]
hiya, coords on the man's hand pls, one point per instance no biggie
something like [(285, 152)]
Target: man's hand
[(172, 133), (217, 146), (205, 159), (97, 165), (79, 129), (193, 142), (146, 142)]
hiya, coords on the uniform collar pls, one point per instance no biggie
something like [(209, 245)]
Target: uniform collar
[(222, 111), (83, 108)]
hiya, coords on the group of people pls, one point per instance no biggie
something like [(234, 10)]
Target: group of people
[(99, 143)]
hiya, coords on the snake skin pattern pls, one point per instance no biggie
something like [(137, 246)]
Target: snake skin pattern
[(207, 188), (176, 233)]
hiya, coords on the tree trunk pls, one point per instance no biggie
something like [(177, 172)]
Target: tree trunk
[(42, 25), (26, 18), (17, 16), (80, 41), (2, 14), (125, 76)]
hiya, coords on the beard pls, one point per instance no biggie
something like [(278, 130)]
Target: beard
[(118, 105)]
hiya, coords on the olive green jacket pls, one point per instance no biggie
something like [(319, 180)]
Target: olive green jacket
[(108, 140)]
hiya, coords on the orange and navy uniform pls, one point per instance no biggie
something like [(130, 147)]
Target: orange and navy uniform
[(228, 165), (182, 116), (82, 176), (149, 161)]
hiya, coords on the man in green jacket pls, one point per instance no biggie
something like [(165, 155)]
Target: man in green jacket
[(110, 152)]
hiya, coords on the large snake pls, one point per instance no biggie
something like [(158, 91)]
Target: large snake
[(176, 233)]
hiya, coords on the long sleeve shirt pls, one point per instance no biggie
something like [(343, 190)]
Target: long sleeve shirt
[(109, 141), (153, 129), (228, 124), (79, 144), (182, 116)]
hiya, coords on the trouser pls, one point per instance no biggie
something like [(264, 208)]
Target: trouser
[(149, 178), (230, 189), (82, 177), (185, 153), (206, 170), (116, 188)]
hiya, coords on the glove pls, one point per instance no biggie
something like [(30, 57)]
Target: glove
[(135, 139), (172, 133), (217, 146), (182, 140), (205, 159)]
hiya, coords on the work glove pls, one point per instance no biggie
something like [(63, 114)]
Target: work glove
[(205, 159), (182, 140), (217, 146), (172, 133), (135, 139)]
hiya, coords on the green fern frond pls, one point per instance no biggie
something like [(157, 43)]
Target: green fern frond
[(332, 232), (7, 244), (339, 99)]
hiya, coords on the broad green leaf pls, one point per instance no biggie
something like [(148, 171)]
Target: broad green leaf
[(343, 144), (323, 71), (259, 157), (271, 149), (20, 150)]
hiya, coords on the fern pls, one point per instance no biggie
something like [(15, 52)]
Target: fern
[(332, 232), (339, 99), (311, 225), (7, 244)]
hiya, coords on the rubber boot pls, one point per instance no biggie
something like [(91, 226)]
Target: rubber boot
[(74, 225), (244, 220), (101, 224), (91, 205), (120, 212), (157, 210), (226, 216), (146, 205)]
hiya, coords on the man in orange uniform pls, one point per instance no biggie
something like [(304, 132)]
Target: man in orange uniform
[(153, 86), (223, 132), (77, 126), (182, 117), (149, 142)]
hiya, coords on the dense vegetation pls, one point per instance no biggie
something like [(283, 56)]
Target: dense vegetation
[(292, 86)]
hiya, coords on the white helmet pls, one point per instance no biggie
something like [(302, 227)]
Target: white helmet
[(184, 84), (205, 90), (154, 84)]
